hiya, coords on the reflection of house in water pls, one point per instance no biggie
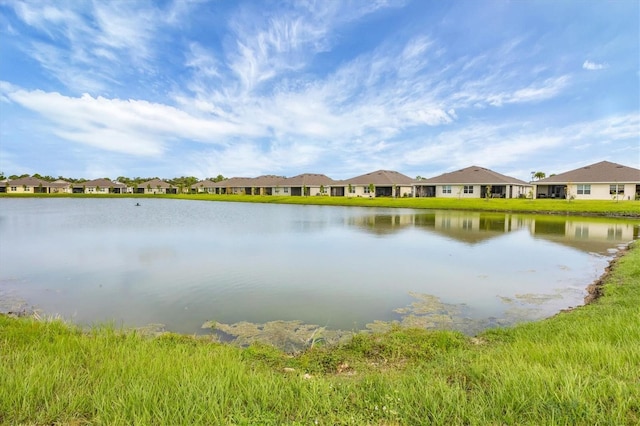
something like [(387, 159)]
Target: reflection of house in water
[(585, 235), (383, 223), (470, 227), (591, 235)]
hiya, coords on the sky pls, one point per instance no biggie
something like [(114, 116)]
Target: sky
[(171, 88)]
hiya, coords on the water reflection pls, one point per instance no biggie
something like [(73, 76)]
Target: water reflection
[(475, 227), (187, 263)]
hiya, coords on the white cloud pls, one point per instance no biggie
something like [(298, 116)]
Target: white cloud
[(127, 126), (593, 66)]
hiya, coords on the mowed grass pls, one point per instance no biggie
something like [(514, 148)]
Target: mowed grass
[(576, 368), (611, 208)]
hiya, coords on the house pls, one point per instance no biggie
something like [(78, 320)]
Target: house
[(234, 185), (266, 184), (28, 185), (155, 186), (599, 181), (60, 186), (304, 184), (100, 186), (204, 186), (472, 182), (381, 183)]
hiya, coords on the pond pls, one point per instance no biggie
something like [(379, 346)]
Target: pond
[(185, 264)]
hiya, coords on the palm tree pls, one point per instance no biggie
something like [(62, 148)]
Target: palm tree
[(539, 175)]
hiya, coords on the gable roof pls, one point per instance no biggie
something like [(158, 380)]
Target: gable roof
[(28, 181), (102, 183), (380, 177), (602, 172), (154, 183), (470, 175), (307, 179)]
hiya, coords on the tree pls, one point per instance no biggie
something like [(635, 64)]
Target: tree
[(539, 175)]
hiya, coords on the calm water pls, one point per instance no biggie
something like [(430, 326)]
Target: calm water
[(181, 263)]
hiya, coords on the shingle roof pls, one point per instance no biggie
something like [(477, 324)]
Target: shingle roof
[(28, 181), (234, 182), (307, 179), (472, 175), (102, 183), (380, 177), (154, 183), (602, 172)]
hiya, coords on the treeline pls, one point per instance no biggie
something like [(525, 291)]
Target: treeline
[(183, 181)]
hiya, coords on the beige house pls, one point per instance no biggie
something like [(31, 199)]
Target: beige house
[(60, 187), (381, 183), (28, 185), (206, 186), (599, 181), (155, 186), (306, 184), (99, 186), (472, 182)]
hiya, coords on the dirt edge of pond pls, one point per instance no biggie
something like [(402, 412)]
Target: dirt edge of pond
[(595, 290)]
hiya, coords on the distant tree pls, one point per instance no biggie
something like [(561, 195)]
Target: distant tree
[(218, 178), (539, 175), (2, 176)]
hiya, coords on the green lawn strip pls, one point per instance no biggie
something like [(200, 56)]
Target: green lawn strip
[(579, 367), (622, 208)]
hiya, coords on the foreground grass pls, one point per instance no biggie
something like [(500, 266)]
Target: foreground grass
[(622, 208), (580, 367)]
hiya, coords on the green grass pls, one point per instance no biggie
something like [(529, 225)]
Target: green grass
[(580, 367), (623, 208)]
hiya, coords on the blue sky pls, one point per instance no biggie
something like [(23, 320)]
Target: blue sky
[(244, 88)]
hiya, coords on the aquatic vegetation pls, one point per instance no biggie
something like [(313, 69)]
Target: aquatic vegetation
[(289, 336)]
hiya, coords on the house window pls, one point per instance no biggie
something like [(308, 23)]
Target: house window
[(352, 189), (14, 189), (468, 189), (584, 189), (446, 189), (286, 189), (616, 189), (366, 190)]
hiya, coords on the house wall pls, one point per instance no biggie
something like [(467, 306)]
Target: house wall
[(281, 191), (154, 190), (600, 191), (359, 191), (96, 190), (404, 191), (521, 190), (457, 191), (22, 189)]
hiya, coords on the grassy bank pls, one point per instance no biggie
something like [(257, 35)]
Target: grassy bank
[(579, 367), (622, 208)]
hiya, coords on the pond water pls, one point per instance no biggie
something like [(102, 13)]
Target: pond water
[(183, 263)]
